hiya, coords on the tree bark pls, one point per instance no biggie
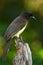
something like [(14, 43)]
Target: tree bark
[(23, 55)]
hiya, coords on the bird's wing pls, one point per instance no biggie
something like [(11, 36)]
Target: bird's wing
[(28, 55), (14, 27)]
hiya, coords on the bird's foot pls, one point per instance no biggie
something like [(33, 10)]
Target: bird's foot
[(20, 38)]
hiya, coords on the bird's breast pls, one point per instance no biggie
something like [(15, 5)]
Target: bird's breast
[(19, 32)]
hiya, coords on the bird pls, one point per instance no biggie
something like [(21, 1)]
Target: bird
[(15, 29)]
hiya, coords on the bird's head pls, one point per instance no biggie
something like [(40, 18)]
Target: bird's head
[(28, 15)]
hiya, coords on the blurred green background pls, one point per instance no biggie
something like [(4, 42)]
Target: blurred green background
[(33, 35)]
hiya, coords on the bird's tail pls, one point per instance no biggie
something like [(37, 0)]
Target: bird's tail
[(6, 47)]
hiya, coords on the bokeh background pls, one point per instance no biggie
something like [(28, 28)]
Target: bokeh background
[(33, 35)]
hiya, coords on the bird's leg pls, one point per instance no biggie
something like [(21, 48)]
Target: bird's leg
[(20, 37)]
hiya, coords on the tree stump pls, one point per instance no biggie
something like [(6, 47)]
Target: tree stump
[(23, 55)]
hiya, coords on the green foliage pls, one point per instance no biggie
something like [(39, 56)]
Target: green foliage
[(9, 9)]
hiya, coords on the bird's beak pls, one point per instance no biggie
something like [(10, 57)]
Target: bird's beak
[(33, 17)]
